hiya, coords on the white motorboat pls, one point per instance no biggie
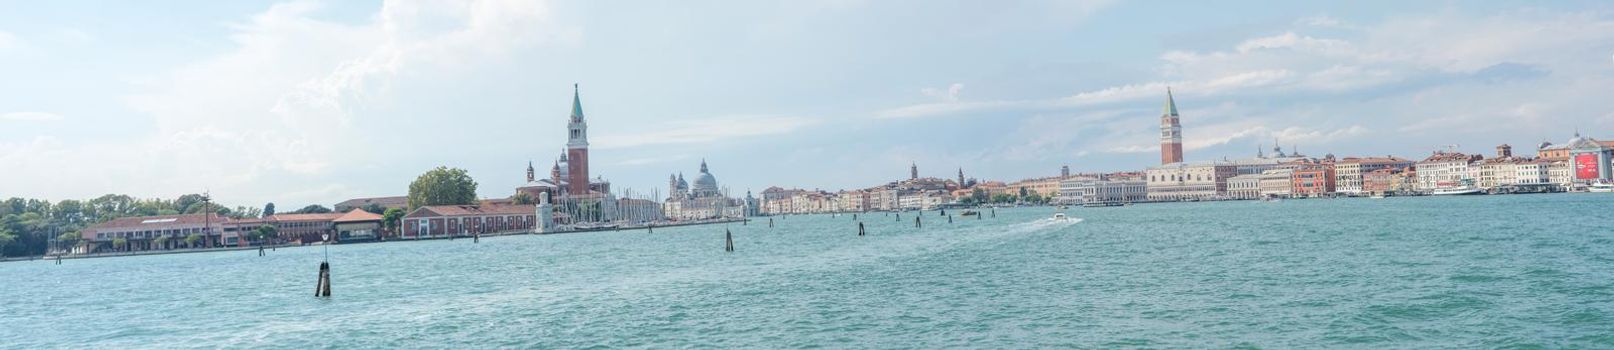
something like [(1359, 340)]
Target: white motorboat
[(1059, 217), (1601, 187)]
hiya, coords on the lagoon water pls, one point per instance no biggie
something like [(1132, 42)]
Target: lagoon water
[(1469, 272)]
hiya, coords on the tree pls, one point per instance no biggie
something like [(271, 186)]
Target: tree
[(442, 186), (313, 209), (6, 237), (1034, 198), (268, 210), (263, 234), (522, 198), (190, 241), (979, 195), (161, 241), (119, 244), (1002, 198), (391, 218)]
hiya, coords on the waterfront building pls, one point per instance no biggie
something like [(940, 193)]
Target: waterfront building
[(1047, 187), (1379, 181), (1070, 188), (440, 221), (1445, 169), (853, 201), (1244, 186), (1312, 179), (1559, 173), (357, 225), (704, 200), (143, 233), (1090, 190), (1589, 161), (1349, 172), (304, 228), (1188, 181), (400, 202), (1170, 132), (1278, 183)]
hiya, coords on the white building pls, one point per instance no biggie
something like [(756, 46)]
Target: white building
[(1276, 183), (1348, 172), (1444, 169), (1188, 181), (1246, 186), (1093, 191)]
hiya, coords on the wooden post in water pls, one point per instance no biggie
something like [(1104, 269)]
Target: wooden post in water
[(260, 250), (944, 212), (949, 219), (323, 289), (728, 240), (650, 228), (916, 223), (860, 229), (770, 222), (476, 238), (994, 213), (854, 216)]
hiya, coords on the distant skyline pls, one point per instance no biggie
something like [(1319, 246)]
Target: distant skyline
[(314, 102)]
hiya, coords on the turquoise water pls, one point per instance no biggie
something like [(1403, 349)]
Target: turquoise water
[(1469, 272)]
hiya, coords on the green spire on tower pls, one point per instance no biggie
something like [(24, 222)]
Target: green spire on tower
[(1171, 104), (577, 104)]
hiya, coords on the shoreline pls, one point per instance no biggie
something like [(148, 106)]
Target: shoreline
[(231, 249)]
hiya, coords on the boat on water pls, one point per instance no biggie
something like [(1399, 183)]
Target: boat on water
[(1102, 204), (1459, 188), (1379, 195), (1059, 217), (970, 213), (1600, 188)]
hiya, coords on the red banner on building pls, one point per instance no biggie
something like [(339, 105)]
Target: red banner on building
[(1586, 166)]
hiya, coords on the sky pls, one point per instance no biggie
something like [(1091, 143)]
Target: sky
[(314, 102)]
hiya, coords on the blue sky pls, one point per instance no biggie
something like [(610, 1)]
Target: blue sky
[(306, 102)]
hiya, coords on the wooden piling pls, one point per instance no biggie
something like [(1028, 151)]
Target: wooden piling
[(860, 229), (949, 219), (916, 223), (728, 240), (323, 289)]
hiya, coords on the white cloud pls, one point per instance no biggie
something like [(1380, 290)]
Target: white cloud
[(950, 94), (280, 103), (9, 41), (31, 116), (702, 131)]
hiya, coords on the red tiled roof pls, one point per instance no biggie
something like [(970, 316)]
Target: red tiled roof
[(305, 217), (358, 215), (157, 221), (386, 202)]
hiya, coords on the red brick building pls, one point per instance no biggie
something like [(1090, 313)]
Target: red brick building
[(1312, 179)]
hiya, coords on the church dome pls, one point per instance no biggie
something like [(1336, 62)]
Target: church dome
[(705, 183)]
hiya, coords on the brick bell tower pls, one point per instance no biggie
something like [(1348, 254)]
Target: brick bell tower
[(577, 148), (1170, 133)]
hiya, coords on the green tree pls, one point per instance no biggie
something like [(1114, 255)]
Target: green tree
[(190, 241), (268, 210), (522, 198), (313, 209), (6, 237), (1002, 198), (264, 234), (979, 195), (120, 244), (391, 218), (1034, 198), (161, 242), (442, 186)]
